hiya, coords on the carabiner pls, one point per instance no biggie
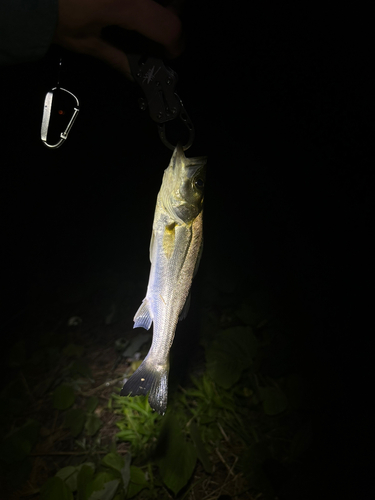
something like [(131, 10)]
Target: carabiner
[(47, 115)]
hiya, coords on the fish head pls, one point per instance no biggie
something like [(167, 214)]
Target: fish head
[(183, 186)]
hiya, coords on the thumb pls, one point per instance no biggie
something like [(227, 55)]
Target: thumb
[(97, 47)]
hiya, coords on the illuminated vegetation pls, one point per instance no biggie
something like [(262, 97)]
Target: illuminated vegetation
[(74, 437)]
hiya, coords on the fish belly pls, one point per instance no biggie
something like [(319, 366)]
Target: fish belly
[(167, 291)]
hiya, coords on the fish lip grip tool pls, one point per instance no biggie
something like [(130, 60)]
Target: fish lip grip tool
[(158, 83)]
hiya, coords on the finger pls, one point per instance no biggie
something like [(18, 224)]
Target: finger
[(112, 56), (99, 48), (153, 21)]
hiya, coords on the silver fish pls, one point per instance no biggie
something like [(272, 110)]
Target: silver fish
[(175, 250)]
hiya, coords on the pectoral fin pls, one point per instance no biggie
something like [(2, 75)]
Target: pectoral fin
[(143, 317), (169, 239)]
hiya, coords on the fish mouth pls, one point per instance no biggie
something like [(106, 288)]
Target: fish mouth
[(178, 157), (189, 165), (179, 150), (179, 195)]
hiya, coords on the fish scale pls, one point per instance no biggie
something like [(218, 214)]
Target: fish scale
[(175, 250)]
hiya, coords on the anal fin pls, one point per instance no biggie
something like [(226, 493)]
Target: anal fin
[(143, 317)]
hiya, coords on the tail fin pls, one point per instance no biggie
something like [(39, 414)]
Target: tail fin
[(152, 380)]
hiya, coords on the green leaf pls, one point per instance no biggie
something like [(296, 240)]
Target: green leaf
[(91, 404), (126, 435), (74, 420), (107, 493), (125, 471), (69, 476), (137, 476), (199, 445), (101, 479), (230, 353), (177, 457), (70, 473), (137, 482), (103, 487), (223, 368), (81, 366), (73, 350), (92, 424), (63, 397), (84, 478), (274, 400), (114, 461), (66, 472), (55, 489)]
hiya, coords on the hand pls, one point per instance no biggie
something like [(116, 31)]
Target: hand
[(81, 22)]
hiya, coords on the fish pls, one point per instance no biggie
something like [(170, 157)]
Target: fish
[(175, 251)]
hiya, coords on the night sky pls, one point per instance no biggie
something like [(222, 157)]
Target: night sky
[(278, 100)]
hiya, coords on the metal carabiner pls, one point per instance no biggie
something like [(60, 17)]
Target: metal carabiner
[(47, 115)]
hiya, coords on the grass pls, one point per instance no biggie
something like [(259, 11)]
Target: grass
[(235, 428)]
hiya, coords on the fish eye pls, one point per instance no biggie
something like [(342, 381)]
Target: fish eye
[(199, 183)]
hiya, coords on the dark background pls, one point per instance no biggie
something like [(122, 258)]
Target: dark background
[(278, 96)]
